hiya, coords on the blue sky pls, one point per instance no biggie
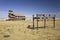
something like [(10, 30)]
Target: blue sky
[(29, 7)]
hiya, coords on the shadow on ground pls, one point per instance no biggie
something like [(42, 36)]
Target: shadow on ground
[(31, 27)]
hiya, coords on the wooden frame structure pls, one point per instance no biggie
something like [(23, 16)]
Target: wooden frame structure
[(44, 17)]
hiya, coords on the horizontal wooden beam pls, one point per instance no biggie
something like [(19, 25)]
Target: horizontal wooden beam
[(39, 14), (36, 18)]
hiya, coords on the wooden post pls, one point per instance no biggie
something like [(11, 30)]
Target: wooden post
[(33, 21), (54, 21), (37, 21), (44, 21)]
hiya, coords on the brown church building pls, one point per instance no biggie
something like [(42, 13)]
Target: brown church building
[(14, 16)]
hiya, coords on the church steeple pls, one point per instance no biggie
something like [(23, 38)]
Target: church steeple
[(10, 12)]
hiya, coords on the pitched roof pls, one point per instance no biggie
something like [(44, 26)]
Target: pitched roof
[(19, 14)]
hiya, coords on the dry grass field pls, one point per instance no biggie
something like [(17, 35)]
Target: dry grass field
[(17, 30)]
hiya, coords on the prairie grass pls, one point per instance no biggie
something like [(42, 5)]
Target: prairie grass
[(17, 30)]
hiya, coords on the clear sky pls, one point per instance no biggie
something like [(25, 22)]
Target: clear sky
[(29, 7)]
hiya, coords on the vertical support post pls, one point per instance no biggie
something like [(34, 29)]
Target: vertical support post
[(33, 21), (54, 21), (37, 20), (44, 21)]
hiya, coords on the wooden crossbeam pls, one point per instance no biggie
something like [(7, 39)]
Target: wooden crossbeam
[(40, 14), (36, 18)]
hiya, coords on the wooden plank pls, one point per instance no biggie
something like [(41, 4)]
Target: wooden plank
[(36, 17), (44, 21), (33, 21), (37, 21), (40, 14), (54, 21)]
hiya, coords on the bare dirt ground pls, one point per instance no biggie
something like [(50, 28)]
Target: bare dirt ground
[(17, 30)]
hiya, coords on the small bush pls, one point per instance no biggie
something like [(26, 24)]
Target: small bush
[(6, 36)]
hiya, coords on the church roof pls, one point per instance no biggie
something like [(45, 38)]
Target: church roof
[(19, 14)]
